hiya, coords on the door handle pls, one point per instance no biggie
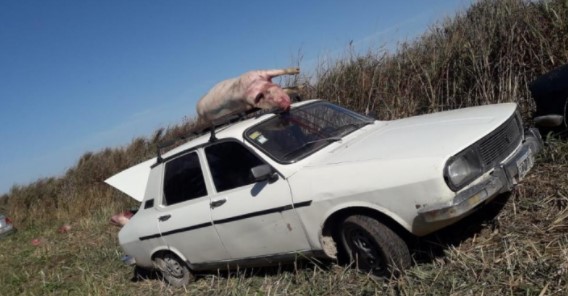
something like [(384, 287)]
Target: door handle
[(164, 217), (218, 202)]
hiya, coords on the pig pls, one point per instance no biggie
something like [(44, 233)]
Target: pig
[(253, 89), (120, 219), (64, 228)]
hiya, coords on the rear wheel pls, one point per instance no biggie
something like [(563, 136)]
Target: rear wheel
[(174, 270), (374, 247)]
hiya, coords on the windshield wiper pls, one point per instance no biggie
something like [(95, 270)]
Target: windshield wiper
[(301, 148), (361, 124), (348, 128), (329, 140)]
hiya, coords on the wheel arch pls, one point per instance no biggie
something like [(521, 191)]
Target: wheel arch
[(329, 229), (165, 250)]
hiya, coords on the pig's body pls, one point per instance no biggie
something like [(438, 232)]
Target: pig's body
[(121, 218), (253, 89)]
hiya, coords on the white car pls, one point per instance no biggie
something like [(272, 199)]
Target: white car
[(6, 226), (322, 181)]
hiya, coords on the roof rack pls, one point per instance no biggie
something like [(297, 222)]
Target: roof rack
[(210, 128)]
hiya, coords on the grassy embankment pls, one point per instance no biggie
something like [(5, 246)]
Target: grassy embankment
[(486, 54)]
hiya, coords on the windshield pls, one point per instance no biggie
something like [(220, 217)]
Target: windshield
[(293, 135)]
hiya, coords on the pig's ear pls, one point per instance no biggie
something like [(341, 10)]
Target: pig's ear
[(259, 97)]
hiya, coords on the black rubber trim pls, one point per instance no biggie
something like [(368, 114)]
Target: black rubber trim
[(227, 220), (264, 212), (177, 230), (149, 204)]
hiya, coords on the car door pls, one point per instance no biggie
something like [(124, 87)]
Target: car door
[(184, 213), (252, 218)]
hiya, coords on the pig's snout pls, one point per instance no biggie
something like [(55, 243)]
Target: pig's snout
[(284, 103), (276, 97), (281, 100)]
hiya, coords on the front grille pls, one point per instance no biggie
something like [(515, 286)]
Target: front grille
[(494, 147)]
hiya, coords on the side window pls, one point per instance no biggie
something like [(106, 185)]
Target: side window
[(183, 179), (230, 165)]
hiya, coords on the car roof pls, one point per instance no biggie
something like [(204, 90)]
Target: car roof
[(132, 181), (231, 130)]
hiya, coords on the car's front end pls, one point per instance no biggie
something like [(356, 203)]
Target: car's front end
[(423, 172), (490, 166)]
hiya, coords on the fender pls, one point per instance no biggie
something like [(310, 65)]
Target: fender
[(168, 249), (368, 205), (327, 244)]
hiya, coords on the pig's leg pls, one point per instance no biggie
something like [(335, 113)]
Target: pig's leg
[(293, 89), (279, 72)]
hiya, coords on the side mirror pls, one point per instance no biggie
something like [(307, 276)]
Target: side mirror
[(264, 172)]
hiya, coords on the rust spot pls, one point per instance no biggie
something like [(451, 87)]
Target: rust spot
[(289, 226)]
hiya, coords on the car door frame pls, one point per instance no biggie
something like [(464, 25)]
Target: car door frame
[(292, 223), (183, 229)]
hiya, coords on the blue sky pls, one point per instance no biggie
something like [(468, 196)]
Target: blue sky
[(78, 76)]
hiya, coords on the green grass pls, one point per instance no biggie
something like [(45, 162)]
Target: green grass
[(518, 246)]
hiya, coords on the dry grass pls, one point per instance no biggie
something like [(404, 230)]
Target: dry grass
[(518, 245), (485, 55)]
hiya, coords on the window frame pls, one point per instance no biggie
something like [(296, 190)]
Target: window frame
[(245, 146), (206, 171), (163, 201), (304, 156)]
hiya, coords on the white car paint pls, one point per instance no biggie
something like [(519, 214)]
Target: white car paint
[(395, 168), (6, 226), (133, 180)]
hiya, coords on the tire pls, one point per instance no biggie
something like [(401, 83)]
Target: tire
[(374, 247), (174, 270)]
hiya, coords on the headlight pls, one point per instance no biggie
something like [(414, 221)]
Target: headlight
[(463, 168)]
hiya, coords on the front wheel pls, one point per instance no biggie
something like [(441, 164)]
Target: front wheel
[(174, 271), (373, 246)]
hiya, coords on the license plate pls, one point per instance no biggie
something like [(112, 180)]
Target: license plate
[(525, 163)]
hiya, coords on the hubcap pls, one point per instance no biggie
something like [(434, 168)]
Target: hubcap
[(173, 267), (364, 248)]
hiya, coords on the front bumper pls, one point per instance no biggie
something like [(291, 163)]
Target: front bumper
[(502, 179), (128, 260)]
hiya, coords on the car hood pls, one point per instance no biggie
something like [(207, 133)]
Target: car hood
[(440, 134)]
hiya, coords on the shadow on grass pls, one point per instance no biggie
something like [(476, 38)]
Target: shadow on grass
[(142, 274), (298, 267), (428, 248), (301, 265)]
